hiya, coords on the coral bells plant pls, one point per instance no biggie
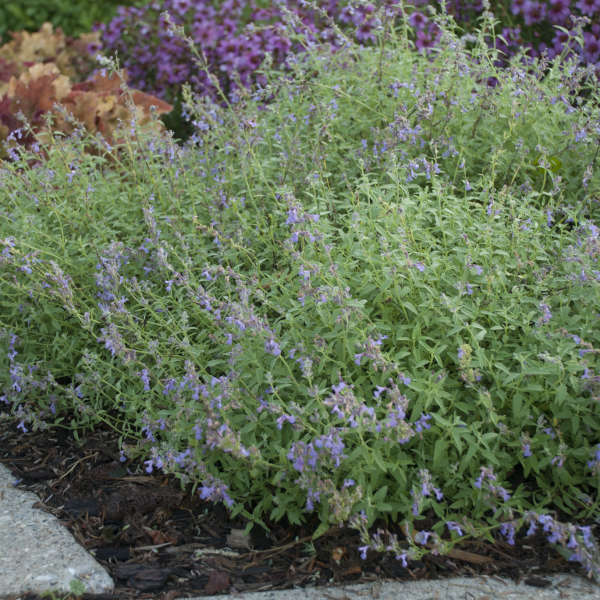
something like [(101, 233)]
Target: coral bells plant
[(370, 302), (73, 57), (47, 102), (52, 84), (45, 75)]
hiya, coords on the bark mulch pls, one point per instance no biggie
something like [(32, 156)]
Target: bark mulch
[(159, 542)]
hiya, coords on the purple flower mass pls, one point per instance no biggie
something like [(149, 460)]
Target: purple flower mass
[(454, 526), (159, 62), (272, 347), (235, 37), (533, 12), (558, 11), (588, 7)]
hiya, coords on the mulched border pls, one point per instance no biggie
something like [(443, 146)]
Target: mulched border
[(159, 542)]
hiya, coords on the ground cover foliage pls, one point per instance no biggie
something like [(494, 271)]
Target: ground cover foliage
[(367, 291)]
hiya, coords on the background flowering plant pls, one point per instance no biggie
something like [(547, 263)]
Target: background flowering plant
[(536, 26), (233, 38)]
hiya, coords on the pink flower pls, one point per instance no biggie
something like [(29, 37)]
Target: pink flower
[(418, 20), (518, 6), (181, 6), (588, 7), (533, 12), (558, 11), (591, 47)]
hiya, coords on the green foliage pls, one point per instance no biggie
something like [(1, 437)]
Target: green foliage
[(374, 298), (73, 16)]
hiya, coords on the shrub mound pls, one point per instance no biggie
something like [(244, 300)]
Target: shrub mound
[(373, 299)]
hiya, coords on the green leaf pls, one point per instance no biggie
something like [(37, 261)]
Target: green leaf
[(440, 457), (379, 461), (466, 459), (321, 529), (399, 474), (454, 432), (380, 495), (277, 513), (410, 307), (561, 394), (294, 516)]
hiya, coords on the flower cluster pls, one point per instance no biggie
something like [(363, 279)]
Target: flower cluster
[(533, 25), (492, 491), (232, 40), (425, 490), (577, 540)]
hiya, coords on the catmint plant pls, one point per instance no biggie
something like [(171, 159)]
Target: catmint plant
[(306, 312)]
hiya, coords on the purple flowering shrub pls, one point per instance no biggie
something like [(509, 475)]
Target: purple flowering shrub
[(537, 26), (370, 300), (231, 40), (545, 26), (142, 40), (233, 37)]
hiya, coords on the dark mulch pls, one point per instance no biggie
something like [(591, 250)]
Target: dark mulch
[(159, 542)]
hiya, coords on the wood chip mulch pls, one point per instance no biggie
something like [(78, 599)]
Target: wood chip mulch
[(159, 542)]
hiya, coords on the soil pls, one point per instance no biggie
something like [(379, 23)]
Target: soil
[(158, 541)]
